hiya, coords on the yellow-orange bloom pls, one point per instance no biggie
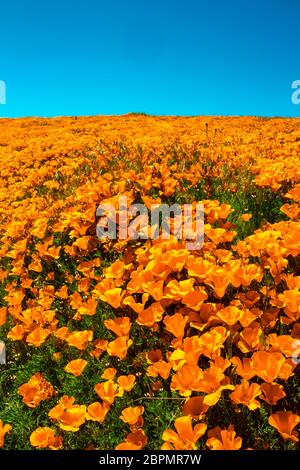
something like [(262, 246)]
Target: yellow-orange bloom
[(246, 217), (245, 394), (126, 382), (97, 411), (113, 297), (230, 315), (285, 422), (76, 367), (69, 415), (109, 373), (79, 339), (223, 439), (36, 390), (120, 326), (185, 437), (108, 391), (133, 415), (38, 336), (119, 347), (195, 407), (272, 393), (45, 437), (175, 324), (134, 441), (267, 365)]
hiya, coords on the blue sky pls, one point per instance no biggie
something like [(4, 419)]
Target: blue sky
[(183, 57)]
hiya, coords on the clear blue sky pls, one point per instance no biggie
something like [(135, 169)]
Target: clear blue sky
[(185, 57)]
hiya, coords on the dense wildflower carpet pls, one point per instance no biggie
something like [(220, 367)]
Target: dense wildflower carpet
[(144, 344)]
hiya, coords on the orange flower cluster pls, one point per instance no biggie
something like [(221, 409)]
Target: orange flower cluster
[(210, 329), (45, 438), (36, 390)]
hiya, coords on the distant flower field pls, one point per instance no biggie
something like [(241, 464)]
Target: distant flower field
[(144, 344)]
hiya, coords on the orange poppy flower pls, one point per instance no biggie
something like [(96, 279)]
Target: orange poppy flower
[(282, 343), (176, 257), (108, 391), (230, 315), (136, 307), (113, 297), (109, 373), (186, 380), (217, 235), (45, 437), (53, 252), (40, 227), (223, 439), (287, 369), (211, 342), (133, 415), (246, 217), (188, 353), (245, 394), (134, 441), (69, 415), (62, 292), (267, 365), (185, 437), (119, 347), (291, 299), (175, 324), (151, 315), (36, 390), (37, 337), (120, 326), (195, 407), (126, 382), (79, 339), (62, 333), (213, 383), (87, 308), (176, 290), (35, 265), (154, 288), (195, 299), (243, 368), (82, 242), (154, 355), (17, 333), (160, 368), (4, 429), (198, 267), (285, 422), (76, 367), (249, 316), (218, 281), (97, 411), (250, 339), (100, 346), (272, 393)]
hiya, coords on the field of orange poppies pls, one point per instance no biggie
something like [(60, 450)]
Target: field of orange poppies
[(143, 344)]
